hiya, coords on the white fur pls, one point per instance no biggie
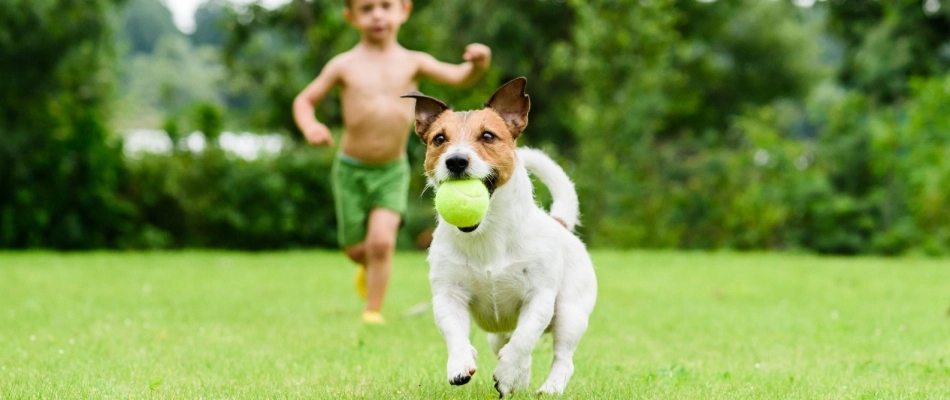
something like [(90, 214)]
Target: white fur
[(517, 275)]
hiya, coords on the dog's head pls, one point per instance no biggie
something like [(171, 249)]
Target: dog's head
[(476, 144)]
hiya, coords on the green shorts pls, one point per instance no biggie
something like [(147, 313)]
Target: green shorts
[(359, 187)]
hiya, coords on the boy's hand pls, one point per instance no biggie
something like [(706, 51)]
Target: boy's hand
[(319, 135), (478, 54)]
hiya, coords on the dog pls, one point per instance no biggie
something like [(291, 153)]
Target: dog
[(520, 271)]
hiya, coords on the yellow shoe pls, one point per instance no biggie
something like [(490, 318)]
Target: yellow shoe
[(373, 317), (360, 281)]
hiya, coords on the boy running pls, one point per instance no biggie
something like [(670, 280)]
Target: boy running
[(370, 176)]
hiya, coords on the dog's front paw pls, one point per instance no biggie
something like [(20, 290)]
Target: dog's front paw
[(552, 388), (462, 366), (512, 373)]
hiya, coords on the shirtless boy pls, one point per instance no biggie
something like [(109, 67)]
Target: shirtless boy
[(370, 176)]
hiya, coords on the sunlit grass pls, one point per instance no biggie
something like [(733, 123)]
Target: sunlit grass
[(285, 325)]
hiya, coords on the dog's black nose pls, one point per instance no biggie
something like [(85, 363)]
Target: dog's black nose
[(457, 163)]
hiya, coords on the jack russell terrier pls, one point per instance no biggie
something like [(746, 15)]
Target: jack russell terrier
[(520, 271)]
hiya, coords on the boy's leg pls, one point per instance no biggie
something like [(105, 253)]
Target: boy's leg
[(379, 247), (348, 195), (356, 253)]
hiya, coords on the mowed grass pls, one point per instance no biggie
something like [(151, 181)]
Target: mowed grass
[(285, 325)]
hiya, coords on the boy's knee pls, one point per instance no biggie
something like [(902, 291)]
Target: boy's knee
[(380, 246), (356, 253)]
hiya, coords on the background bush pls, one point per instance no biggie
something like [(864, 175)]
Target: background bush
[(216, 199)]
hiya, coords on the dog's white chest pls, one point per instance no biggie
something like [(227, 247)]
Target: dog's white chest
[(497, 294)]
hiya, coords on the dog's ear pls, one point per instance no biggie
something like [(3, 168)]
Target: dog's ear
[(427, 110), (512, 104)]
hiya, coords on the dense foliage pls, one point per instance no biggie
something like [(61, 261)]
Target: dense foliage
[(217, 200), (689, 124), (59, 175)]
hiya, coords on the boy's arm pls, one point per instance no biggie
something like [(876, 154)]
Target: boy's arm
[(477, 59), (316, 133)]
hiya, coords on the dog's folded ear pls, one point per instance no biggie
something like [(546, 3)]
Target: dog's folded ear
[(512, 104), (428, 110)]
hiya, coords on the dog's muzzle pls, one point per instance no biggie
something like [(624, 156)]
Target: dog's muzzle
[(457, 164)]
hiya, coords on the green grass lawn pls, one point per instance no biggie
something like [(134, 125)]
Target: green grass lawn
[(286, 325)]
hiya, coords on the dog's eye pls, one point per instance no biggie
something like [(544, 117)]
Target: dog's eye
[(488, 137), (438, 140)]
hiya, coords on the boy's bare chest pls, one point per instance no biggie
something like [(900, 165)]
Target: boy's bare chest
[(390, 78)]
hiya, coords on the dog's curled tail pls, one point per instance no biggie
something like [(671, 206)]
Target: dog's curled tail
[(565, 205)]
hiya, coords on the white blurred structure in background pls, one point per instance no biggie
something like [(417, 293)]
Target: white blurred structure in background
[(246, 145)]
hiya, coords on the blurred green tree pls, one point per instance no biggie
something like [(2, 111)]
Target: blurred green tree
[(144, 23), (59, 175), (167, 82), (738, 54), (885, 43), (213, 18), (666, 79), (272, 54)]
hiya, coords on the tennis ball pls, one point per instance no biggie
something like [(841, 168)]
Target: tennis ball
[(462, 203)]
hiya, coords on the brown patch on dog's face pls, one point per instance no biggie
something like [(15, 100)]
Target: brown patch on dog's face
[(489, 133), (484, 132)]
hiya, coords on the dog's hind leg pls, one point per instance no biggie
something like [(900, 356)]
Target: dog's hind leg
[(497, 341), (514, 359), (568, 326)]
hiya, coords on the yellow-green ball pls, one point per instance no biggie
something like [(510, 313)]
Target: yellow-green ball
[(462, 203)]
